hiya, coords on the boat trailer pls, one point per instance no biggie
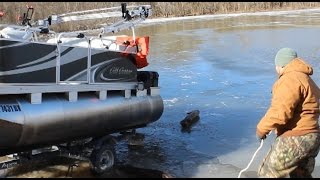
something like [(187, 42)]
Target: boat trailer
[(99, 151)]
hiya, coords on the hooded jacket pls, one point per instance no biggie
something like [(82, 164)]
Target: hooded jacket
[(294, 108)]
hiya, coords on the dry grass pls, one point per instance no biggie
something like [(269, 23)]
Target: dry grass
[(160, 9)]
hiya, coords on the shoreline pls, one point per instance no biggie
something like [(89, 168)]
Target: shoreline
[(212, 16), (153, 21)]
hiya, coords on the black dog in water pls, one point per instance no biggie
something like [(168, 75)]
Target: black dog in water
[(190, 120)]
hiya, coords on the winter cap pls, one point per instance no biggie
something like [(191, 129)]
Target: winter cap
[(284, 56)]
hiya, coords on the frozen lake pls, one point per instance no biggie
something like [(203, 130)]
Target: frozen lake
[(222, 65)]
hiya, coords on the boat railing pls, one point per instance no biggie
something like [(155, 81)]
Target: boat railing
[(31, 32), (130, 19), (88, 40), (72, 88)]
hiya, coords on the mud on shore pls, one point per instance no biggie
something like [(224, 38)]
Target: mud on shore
[(57, 167)]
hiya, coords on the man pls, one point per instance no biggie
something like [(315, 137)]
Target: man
[(293, 115)]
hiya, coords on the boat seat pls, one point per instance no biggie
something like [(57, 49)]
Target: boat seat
[(12, 33), (81, 42)]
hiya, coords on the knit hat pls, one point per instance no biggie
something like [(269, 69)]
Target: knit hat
[(284, 56)]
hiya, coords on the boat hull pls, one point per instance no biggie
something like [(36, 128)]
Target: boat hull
[(56, 120)]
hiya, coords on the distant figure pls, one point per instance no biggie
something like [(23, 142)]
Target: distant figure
[(293, 114), (1, 14)]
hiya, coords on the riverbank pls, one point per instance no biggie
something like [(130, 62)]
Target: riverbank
[(161, 10), (268, 13)]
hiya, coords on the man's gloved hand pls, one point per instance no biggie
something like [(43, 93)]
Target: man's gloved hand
[(260, 135)]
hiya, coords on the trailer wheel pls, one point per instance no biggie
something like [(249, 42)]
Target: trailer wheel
[(103, 159)]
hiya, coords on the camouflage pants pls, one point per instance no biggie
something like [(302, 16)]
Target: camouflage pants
[(291, 156)]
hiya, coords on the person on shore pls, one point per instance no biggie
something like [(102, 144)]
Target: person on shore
[(293, 115)]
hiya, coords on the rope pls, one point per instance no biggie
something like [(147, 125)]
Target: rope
[(261, 144)]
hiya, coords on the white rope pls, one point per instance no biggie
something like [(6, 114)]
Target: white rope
[(261, 143)]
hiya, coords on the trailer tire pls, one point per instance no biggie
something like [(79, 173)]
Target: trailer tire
[(103, 159)]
